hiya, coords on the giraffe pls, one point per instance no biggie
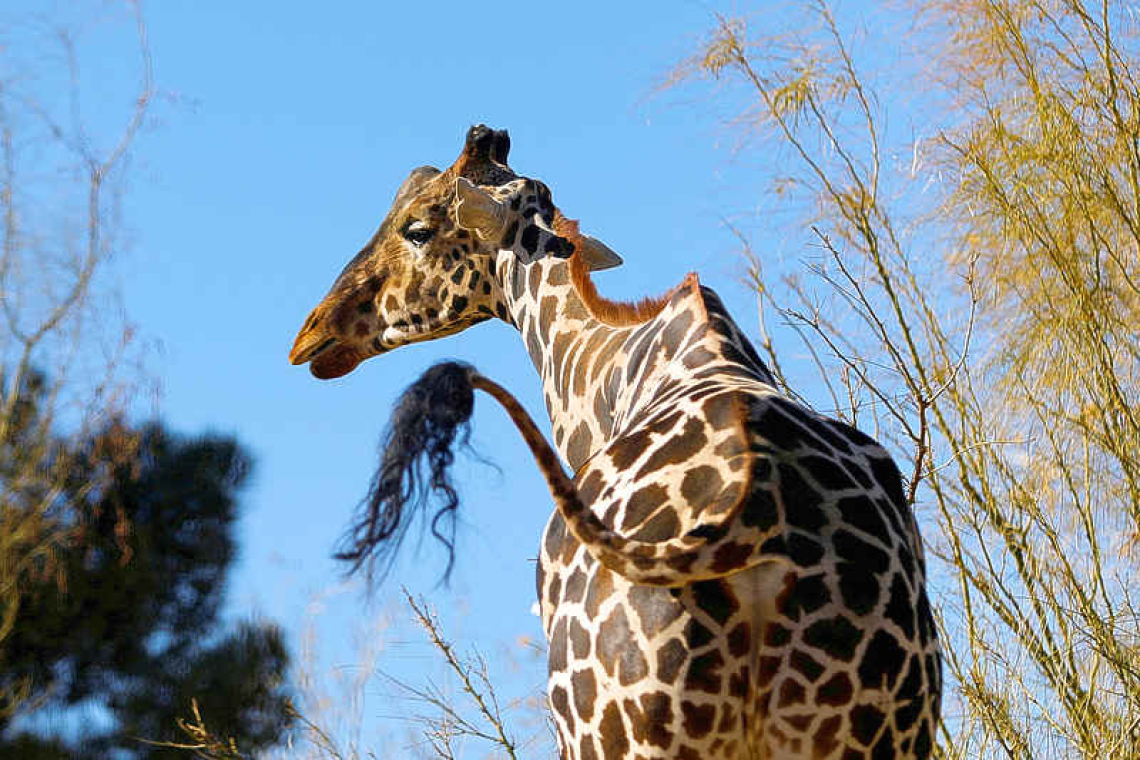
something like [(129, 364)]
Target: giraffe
[(728, 574)]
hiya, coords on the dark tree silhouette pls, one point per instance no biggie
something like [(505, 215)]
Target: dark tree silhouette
[(126, 619)]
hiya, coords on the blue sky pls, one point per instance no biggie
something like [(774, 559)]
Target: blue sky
[(289, 130)]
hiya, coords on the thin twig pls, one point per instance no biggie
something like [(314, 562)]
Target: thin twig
[(485, 701)]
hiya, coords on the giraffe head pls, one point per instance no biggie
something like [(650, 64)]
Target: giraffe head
[(430, 270)]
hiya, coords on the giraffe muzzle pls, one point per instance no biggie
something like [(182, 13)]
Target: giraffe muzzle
[(327, 359)]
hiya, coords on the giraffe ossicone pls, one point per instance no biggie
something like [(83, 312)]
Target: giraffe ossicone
[(728, 574)]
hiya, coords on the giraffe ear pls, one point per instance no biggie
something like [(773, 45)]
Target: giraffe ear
[(597, 254), (477, 211)]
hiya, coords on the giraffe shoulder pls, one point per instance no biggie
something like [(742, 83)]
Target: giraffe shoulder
[(680, 465)]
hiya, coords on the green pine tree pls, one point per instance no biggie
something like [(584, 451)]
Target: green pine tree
[(125, 616)]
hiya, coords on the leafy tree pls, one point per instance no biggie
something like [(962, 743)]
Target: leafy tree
[(128, 616), (976, 297)]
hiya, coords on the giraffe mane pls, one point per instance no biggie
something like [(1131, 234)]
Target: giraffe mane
[(613, 313)]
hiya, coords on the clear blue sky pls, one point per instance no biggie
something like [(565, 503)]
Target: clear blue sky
[(292, 129)]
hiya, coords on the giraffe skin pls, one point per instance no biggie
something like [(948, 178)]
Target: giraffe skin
[(728, 574)]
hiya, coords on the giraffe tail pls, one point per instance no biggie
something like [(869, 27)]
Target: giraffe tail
[(701, 554), (430, 419)]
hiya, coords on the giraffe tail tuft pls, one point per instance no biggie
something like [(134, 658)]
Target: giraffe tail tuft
[(429, 420)]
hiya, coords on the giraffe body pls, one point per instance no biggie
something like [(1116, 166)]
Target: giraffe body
[(729, 574)]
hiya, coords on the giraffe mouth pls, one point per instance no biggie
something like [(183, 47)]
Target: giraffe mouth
[(327, 359), (334, 361), (331, 359)]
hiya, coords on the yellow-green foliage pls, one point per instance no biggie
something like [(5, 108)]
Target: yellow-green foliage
[(984, 316)]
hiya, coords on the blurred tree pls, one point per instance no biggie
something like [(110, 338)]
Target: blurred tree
[(975, 206), (114, 540), (128, 618), (62, 175)]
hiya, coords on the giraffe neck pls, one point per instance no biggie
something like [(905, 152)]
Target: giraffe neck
[(602, 363), (580, 359)]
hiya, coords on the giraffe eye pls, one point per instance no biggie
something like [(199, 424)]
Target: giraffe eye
[(418, 233)]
